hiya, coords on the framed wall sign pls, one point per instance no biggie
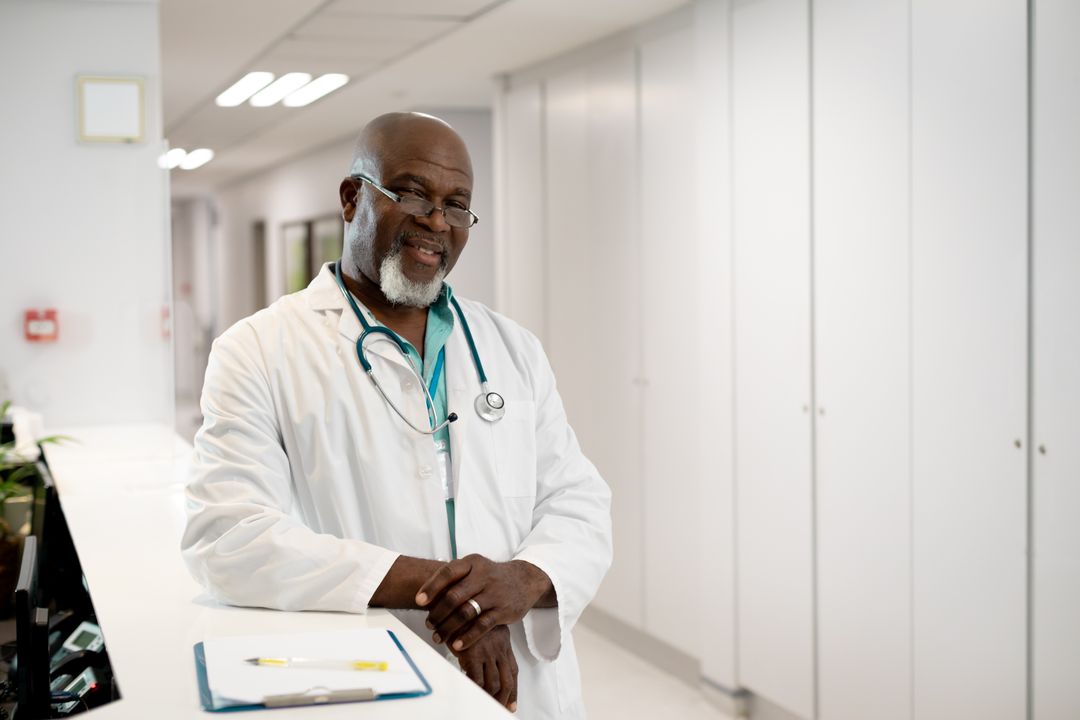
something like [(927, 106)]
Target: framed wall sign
[(111, 109)]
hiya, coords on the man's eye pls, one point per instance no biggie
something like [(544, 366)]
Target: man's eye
[(410, 192), (459, 206)]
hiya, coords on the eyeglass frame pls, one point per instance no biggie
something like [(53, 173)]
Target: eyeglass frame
[(398, 198)]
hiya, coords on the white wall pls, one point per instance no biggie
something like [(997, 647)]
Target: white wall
[(194, 231), (84, 226)]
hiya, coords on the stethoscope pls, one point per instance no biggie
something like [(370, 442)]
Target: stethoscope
[(489, 404)]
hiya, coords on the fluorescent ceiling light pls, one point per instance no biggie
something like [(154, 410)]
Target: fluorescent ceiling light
[(281, 87), (196, 159), (171, 159), (244, 88), (322, 85)]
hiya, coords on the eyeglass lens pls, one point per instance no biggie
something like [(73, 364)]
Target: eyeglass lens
[(455, 217)]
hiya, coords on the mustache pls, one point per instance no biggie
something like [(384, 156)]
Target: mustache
[(399, 244), (399, 241)]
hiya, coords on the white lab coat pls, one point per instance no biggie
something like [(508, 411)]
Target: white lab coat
[(306, 487)]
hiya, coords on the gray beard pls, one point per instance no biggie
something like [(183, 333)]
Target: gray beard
[(399, 289)]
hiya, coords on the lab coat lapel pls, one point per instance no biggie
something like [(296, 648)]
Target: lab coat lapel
[(349, 327), (324, 295)]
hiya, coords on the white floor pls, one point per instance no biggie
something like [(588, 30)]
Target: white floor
[(618, 684)]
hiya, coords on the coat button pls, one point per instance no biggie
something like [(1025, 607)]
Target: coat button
[(407, 386), (425, 471)]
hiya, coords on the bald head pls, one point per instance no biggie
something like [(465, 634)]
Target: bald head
[(399, 136), (402, 249)]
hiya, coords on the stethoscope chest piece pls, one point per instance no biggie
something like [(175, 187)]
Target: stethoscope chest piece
[(490, 406)]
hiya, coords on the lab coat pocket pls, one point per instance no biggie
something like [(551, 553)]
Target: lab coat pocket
[(515, 450)]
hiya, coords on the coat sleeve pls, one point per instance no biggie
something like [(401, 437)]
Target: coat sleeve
[(244, 540), (571, 534)]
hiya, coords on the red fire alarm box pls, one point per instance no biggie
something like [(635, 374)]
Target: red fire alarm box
[(41, 325)]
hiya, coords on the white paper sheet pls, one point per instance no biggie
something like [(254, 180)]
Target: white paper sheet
[(235, 682)]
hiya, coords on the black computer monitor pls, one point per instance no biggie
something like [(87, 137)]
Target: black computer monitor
[(26, 604), (40, 676), (60, 576), (31, 638)]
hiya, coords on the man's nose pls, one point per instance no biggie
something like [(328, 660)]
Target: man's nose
[(435, 221)]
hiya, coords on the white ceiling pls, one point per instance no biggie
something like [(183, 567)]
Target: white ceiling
[(400, 55)]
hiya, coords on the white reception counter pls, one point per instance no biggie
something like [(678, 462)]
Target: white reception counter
[(121, 489)]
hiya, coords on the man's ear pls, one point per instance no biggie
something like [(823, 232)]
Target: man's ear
[(347, 194)]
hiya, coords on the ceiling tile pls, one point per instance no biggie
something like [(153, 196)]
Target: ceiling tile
[(329, 49), (219, 128), (429, 8), (280, 63), (362, 27)]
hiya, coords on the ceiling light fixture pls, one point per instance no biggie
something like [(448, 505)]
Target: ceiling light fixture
[(171, 159), (196, 159), (244, 88), (278, 89), (322, 85)]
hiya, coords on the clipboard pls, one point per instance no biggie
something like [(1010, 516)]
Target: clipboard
[(315, 696)]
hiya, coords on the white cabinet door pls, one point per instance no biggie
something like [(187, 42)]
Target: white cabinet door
[(593, 307), (969, 358), (715, 395), (1056, 354), (672, 326), (519, 284), (862, 372), (771, 107), (564, 199)]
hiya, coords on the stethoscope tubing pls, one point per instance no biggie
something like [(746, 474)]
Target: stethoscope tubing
[(430, 403), (490, 405)]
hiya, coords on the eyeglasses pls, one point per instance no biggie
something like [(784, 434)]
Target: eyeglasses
[(458, 217)]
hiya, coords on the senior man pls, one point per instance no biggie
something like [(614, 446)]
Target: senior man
[(444, 484)]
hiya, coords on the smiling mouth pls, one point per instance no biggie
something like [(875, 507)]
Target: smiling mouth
[(424, 251), (419, 242)]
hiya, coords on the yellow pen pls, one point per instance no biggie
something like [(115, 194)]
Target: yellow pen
[(311, 664)]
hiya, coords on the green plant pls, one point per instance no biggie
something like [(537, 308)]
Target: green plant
[(16, 507), (14, 470)]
